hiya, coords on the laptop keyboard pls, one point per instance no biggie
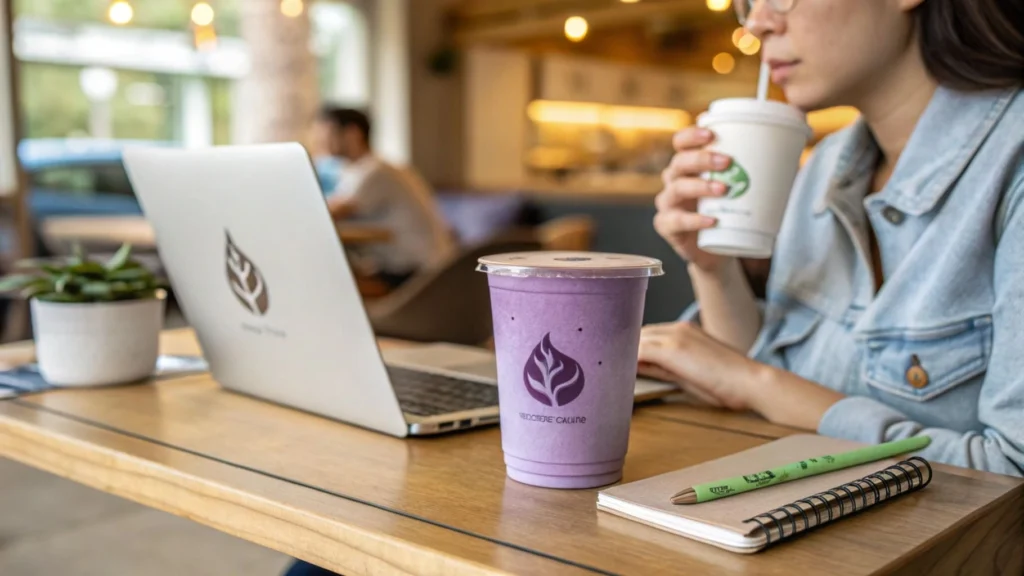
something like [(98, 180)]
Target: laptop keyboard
[(426, 394)]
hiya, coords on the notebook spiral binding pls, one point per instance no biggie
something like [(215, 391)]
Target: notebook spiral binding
[(809, 513)]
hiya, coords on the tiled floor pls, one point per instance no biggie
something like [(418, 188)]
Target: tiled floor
[(53, 527)]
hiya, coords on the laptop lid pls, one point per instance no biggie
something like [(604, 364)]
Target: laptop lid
[(257, 267)]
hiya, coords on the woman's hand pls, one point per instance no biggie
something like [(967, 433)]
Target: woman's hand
[(700, 364), (677, 220), (683, 353)]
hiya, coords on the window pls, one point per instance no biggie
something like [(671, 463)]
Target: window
[(340, 44), (83, 180)]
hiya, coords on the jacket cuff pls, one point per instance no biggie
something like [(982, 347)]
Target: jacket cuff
[(691, 314), (860, 419)]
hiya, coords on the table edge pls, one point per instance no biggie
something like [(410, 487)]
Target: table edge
[(134, 467)]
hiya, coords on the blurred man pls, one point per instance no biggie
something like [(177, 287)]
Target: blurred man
[(373, 191)]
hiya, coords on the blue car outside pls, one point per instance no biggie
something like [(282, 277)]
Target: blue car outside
[(86, 177)]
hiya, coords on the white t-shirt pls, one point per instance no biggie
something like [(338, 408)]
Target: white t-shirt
[(401, 201)]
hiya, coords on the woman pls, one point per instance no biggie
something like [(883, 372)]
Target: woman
[(895, 302)]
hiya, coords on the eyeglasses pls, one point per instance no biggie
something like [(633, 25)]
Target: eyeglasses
[(745, 7)]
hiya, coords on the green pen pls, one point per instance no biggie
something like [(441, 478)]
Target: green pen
[(811, 467)]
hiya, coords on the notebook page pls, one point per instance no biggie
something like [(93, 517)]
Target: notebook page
[(729, 513)]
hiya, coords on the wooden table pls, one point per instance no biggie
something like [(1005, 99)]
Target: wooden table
[(116, 230), (359, 502)]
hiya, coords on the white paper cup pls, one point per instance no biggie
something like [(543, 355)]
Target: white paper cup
[(765, 140)]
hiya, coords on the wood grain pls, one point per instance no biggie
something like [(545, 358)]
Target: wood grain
[(365, 503), (991, 542)]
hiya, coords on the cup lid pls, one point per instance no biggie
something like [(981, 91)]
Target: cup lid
[(552, 264), (754, 110)]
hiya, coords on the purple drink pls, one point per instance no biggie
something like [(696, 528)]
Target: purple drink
[(566, 333)]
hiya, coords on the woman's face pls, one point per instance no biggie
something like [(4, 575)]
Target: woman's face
[(833, 52)]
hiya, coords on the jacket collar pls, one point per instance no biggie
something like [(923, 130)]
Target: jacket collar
[(949, 134)]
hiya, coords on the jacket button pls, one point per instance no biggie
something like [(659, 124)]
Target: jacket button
[(893, 215), (916, 375)]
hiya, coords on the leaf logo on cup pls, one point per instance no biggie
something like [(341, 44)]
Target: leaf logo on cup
[(245, 279), (735, 177), (551, 377)]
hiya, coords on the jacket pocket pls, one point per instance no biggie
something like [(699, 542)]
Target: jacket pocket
[(922, 364), (784, 328)]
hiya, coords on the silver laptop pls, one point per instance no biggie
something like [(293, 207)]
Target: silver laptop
[(258, 269)]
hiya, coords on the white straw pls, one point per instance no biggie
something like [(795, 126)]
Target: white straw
[(762, 82)]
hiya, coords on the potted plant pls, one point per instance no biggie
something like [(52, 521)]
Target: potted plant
[(94, 323)]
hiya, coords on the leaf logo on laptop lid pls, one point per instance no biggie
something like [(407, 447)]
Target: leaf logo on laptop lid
[(246, 280)]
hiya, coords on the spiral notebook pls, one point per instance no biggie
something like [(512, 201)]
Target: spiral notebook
[(752, 521)]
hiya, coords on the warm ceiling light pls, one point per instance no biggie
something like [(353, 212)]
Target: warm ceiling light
[(292, 8), (557, 112), (749, 44), (120, 12), (738, 34), (576, 28), (202, 14), (636, 118), (719, 5), (620, 118), (723, 63), (630, 1)]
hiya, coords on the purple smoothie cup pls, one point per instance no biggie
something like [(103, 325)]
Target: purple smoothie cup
[(566, 336)]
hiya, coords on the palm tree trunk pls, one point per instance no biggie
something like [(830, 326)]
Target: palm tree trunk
[(280, 94)]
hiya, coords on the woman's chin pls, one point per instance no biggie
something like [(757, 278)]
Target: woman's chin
[(806, 98)]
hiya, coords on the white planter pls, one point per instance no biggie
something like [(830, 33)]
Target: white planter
[(91, 344)]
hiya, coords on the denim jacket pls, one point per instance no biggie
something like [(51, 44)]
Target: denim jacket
[(939, 350)]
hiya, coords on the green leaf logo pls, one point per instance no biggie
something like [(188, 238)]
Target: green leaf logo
[(735, 177)]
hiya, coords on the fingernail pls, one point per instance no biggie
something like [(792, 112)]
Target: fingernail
[(718, 188), (709, 221), (704, 133), (721, 161)]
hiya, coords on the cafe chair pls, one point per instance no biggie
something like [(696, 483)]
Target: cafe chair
[(568, 233), (449, 302)]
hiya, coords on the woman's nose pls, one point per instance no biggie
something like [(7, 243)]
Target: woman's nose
[(762, 19)]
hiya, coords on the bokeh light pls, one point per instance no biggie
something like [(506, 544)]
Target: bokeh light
[(576, 28), (723, 63), (120, 13)]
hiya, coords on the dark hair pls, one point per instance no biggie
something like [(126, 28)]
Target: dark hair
[(345, 117), (973, 44)]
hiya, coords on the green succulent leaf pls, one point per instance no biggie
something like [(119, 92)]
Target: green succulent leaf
[(77, 254), (79, 279), (120, 258), (129, 274), (62, 297), (62, 283), (16, 282), (88, 269), (39, 286), (100, 290)]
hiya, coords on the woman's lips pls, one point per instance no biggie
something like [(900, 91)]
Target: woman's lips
[(782, 69)]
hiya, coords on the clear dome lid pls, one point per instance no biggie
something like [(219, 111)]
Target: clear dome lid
[(550, 264)]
